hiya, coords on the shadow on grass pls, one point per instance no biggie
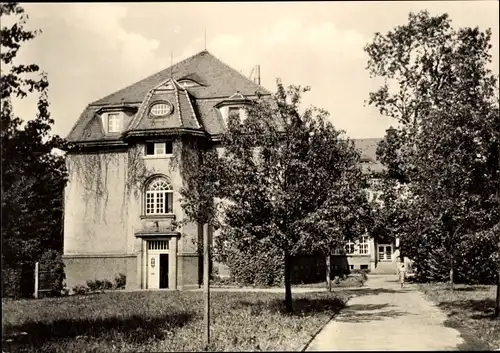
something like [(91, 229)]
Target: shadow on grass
[(479, 308), (301, 306), (472, 289), (368, 312), (133, 329), (470, 341)]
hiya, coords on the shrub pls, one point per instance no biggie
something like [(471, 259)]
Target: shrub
[(222, 281), (65, 291), (475, 263), (11, 282), (100, 285), (107, 285), (80, 290), (120, 281), (261, 269), (52, 274), (94, 285)]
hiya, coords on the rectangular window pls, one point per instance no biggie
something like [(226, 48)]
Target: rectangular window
[(358, 247), (114, 122), (159, 202), (351, 267), (234, 112), (159, 148), (158, 245), (363, 267), (385, 252), (364, 246)]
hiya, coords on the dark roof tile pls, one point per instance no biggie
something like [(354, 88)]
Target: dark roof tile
[(218, 78), (195, 104)]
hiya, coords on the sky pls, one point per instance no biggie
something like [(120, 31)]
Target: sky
[(90, 50)]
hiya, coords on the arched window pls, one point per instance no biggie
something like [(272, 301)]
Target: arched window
[(159, 197)]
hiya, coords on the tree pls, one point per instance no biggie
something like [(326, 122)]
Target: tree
[(33, 179), (199, 169), (291, 184), (445, 147)]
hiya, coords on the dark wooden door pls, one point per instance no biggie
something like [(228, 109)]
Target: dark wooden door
[(163, 270)]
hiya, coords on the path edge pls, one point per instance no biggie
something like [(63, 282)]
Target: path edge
[(316, 333)]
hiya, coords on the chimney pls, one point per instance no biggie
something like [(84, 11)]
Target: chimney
[(255, 74)]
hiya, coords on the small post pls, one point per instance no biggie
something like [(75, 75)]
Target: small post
[(206, 286), (36, 281), (497, 301), (497, 306), (328, 275)]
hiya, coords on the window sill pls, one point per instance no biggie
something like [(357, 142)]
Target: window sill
[(159, 216), (160, 156)]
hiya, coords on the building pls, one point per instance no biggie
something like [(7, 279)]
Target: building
[(374, 255), (122, 198)]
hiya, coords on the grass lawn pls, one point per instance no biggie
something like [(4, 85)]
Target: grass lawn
[(164, 321), (353, 280), (350, 282), (468, 307)]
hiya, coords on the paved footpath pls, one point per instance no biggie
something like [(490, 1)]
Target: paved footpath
[(383, 316)]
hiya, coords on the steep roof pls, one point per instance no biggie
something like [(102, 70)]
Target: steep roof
[(214, 81), (368, 149)]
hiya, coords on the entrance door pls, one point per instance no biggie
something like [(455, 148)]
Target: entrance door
[(163, 270), (153, 271), (157, 265), (385, 252)]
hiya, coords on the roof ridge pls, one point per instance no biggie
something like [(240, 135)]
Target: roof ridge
[(178, 105), (137, 118), (192, 109), (76, 125), (239, 73)]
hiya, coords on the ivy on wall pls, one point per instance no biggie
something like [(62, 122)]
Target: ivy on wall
[(94, 172)]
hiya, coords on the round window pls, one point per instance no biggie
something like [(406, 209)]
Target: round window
[(160, 109)]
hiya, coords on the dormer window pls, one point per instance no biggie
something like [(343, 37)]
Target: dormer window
[(187, 83), (114, 122), (234, 106), (161, 109)]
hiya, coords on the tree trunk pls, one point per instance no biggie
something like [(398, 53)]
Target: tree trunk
[(206, 286), (451, 271), (288, 284), (328, 275)]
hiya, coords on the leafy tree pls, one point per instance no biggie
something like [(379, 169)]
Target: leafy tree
[(33, 179), (445, 147), (291, 184)]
